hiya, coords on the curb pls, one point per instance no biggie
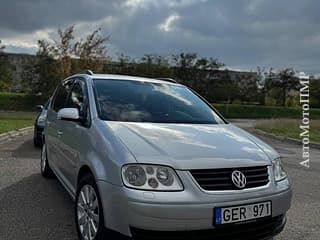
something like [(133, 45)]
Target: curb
[(282, 138), (7, 136)]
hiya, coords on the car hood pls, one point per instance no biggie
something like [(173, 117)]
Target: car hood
[(192, 146)]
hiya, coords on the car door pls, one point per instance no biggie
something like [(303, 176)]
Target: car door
[(73, 143), (53, 126)]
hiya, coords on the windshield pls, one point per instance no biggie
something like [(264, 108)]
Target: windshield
[(135, 101)]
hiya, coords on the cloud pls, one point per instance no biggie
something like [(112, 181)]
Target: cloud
[(241, 33), (167, 25), (28, 40)]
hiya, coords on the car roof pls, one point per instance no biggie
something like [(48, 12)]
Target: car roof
[(127, 78)]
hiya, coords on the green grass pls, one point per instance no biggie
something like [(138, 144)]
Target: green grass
[(253, 111), (290, 128), (7, 125), (17, 115), (10, 121), (15, 110)]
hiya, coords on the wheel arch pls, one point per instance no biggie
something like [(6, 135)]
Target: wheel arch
[(84, 170)]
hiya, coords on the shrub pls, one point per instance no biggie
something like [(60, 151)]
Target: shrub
[(258, 111), (19, 101)]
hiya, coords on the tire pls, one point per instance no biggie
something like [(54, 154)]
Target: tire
[(36, 143), (88, 210), (45, 169)]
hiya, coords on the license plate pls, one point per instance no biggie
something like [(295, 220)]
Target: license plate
[(241, 213)]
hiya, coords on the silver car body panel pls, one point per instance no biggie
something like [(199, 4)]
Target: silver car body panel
[(191, 209), (190, 146), (105, 146)]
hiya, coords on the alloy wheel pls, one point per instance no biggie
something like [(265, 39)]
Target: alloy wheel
[(88, 212), (43, 158)]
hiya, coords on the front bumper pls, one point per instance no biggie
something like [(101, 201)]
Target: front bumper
[(131, 211), (261, 229)]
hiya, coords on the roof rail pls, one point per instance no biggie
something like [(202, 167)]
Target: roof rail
[(89, 72), (168, 80)]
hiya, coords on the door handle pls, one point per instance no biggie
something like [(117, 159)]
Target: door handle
[(59, 133)]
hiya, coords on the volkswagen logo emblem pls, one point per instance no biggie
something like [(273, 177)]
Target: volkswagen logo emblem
[(238, 179)]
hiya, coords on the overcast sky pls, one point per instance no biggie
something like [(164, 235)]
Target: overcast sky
[(241, 33)]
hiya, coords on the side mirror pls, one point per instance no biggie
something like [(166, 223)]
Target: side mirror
[(39, 108), (68, 114)]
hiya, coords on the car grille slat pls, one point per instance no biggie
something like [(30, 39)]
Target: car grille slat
[(220, 179), (206, 179), (263, 175), (216, 185)]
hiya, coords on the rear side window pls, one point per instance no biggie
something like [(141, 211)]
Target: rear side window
[(61, 95)]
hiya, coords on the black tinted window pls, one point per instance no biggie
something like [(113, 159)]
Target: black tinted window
[(61, 95), (134, 101)]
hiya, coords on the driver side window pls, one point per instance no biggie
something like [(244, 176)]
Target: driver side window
[(78, 99), (60, 97)]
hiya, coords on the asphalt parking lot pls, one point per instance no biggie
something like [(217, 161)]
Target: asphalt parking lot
[(32, 207)]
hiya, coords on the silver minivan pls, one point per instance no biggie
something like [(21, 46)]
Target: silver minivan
[(151, 159)]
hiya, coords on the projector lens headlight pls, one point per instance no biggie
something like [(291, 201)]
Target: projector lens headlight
[(135, 176), (151, 177), (165, 176), (41, 119)]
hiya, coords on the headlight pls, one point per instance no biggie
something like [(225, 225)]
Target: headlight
[(151, 177), (42, 119), (278, 171)]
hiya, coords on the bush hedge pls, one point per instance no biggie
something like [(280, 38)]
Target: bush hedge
[(19, 101), (258, 111), (25, 102)]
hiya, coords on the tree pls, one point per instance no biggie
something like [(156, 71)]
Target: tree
[(5, 73), (125, 65), (184, 64), (74, 55), (277, 86), (63, 50), (224, 88), (1, 47), (43, 74), (152, 65), (196, 72), (91, 52), (315, 92), (190, 68), (271, 92), (287, 81), (59, 58)]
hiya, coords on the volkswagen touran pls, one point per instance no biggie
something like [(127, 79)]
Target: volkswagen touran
[(151, 159)]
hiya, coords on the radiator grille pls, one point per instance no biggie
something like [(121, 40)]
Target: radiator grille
[(220, 179)]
